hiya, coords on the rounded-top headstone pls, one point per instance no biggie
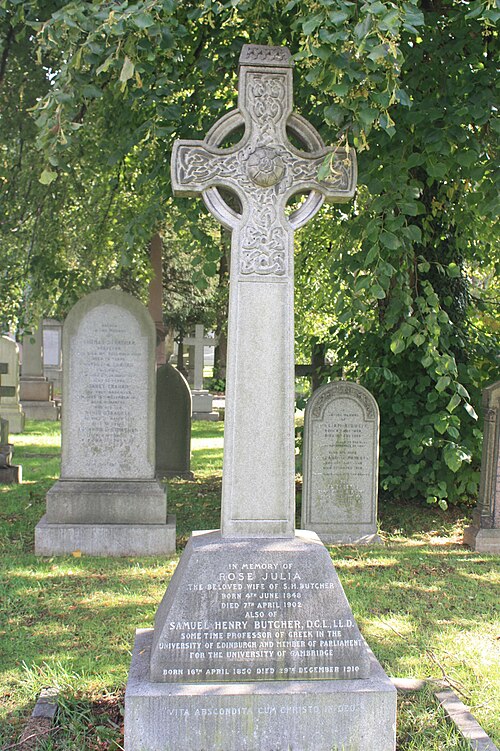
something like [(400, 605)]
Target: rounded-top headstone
[(108, 389), (341, 450), (173, 423)]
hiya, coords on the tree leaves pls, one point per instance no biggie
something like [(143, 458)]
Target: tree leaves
[(48, 176), (127, 70)]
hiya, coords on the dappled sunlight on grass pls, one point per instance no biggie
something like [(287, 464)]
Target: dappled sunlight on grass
[(366, 563), (399, 624), (199, 444), (424, 603), (38, 434)]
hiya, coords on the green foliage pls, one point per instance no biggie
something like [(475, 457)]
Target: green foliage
[(401, 284), (416, 599), (216, 385)]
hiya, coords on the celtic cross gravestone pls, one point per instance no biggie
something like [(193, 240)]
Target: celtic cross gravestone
[(255, 647), (264, 170)]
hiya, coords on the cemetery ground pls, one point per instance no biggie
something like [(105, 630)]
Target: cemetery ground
[(427, 605)]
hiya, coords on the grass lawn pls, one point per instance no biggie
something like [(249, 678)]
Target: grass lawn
[(428, 607)]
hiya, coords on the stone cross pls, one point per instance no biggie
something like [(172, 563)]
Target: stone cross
[(264, 170), (199, 342)]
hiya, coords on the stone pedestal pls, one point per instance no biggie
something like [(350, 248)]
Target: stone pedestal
[(203, 406), (358, 715), (9, 473), (36, 398), (255, 648), (106, 502), (32, 389), (481, 539), (484, 533), (105, 539), (35, 392)]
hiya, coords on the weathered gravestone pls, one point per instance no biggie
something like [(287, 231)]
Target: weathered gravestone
[(10, 406), (255, 647), (107, 500), (173, 423), (340, 464), (35, 391), (484, 533), (52, 351), (202, 399), (9, 473)]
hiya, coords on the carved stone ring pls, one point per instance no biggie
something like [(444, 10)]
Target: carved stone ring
[(299, 127)]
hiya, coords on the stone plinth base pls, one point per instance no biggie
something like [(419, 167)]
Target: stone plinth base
[(351, 715), (106, 502), (203, 406), (357, 535), (353, 539), (482, 540), (40, 410), (34, 390), (210, 416), (166, 473), (258, 608), (111, 540), (15, 418), (11, 475)]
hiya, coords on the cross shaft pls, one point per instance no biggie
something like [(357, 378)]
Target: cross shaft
[(264, 170)]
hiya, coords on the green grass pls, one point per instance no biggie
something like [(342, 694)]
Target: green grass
[(427, 606)]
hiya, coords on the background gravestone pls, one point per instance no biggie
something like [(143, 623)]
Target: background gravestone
[(340, 464), (52, 351), (10, 407), (173, 423), (202, 399), (35, 391), (107, 500), (484, 533)]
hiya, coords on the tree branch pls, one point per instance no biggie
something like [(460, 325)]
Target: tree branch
[(5, 53)]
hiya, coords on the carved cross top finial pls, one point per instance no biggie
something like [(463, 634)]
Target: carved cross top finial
[(264, 169)]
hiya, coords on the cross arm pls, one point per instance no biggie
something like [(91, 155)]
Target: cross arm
[(340, 186), (196, 166)]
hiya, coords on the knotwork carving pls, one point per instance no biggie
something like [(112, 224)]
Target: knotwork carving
[(262, 54), (264, 169)]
